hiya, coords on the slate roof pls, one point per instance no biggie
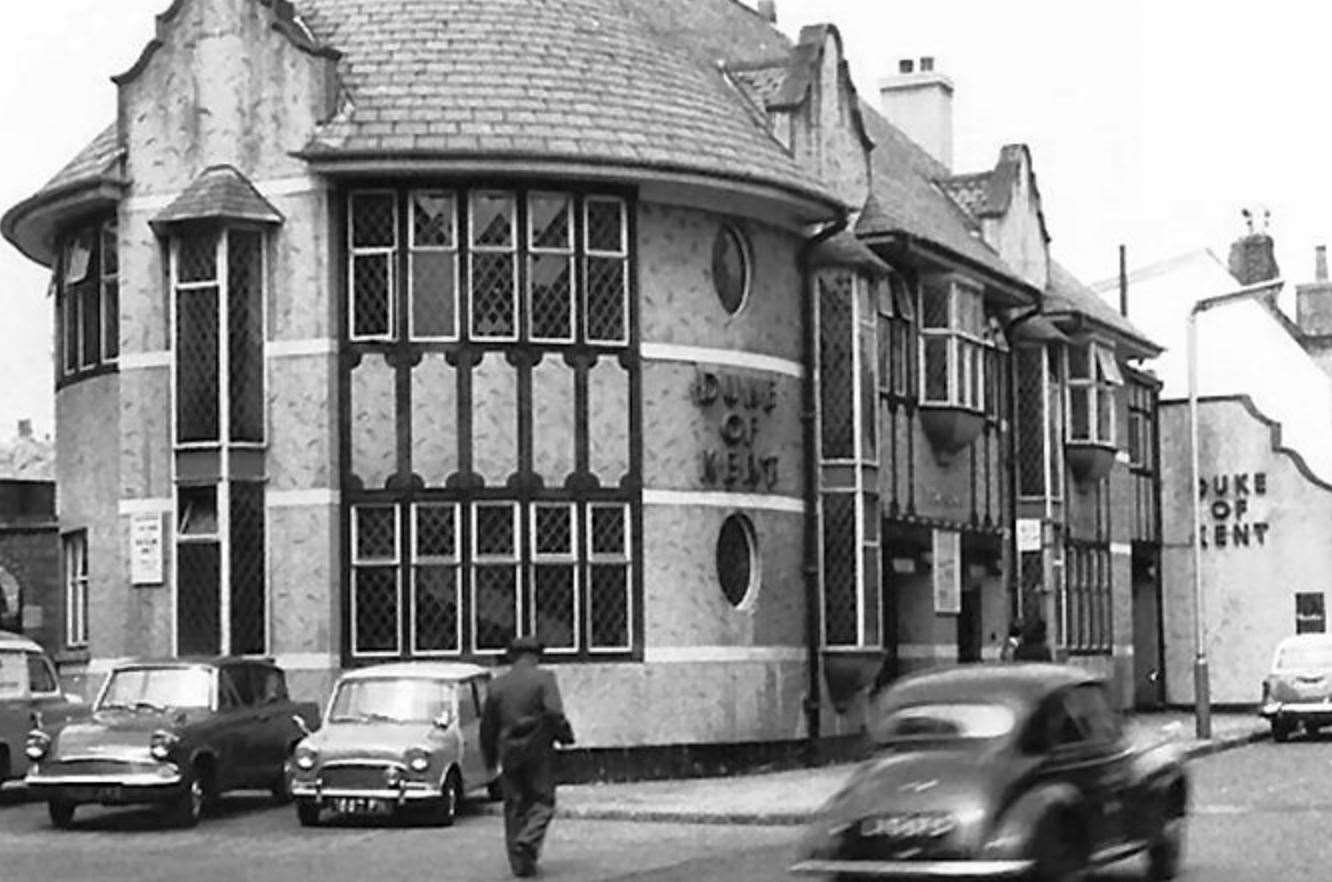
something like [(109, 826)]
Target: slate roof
[(763, 82), (907, 199), (1065, 294), (97, 160), (219, 191), (631, 82)]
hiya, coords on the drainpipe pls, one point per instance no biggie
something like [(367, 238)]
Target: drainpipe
[(1014, 559), (810, 569)]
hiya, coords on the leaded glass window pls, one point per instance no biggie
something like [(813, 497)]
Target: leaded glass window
[(554, 579), (436, 592), (1093, 378), (87, 298), (75, 548), (841, 593), (495, 588), (550, 267), (836, 376), (373, 235), (953, 343), (494, 265), (609, 600), (376, 584), (433, 279), (606, 270)]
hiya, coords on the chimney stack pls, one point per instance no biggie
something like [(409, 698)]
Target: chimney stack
[(1313, 301), (1320, 263), (1253, 257), (919, 101), (25, 428), (767, 10)]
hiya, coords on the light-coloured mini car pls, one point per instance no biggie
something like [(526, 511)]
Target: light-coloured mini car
[(1298, 689), (29, 691), (396, 738)]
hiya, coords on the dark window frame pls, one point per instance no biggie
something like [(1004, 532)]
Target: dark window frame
[(87, 348)]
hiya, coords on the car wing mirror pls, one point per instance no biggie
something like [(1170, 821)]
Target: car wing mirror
[(300, 724)]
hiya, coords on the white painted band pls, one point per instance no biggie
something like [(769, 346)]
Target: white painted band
[(307, 661), (104, 666), (716, 499), (686, 654), (292, 348), (270, 188), (727, 357), (150, 505), (927, 651), (137, 361), (297, 498), (1121, 548)]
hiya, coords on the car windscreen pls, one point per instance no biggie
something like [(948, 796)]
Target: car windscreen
[(968, 720), (158, 688), (13, 675), (1306, 656), (390, 699)]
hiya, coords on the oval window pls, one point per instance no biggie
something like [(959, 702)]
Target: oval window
[(737, 562), (730, 268)]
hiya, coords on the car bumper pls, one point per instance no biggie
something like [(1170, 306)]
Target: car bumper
[(138, 787), (915, 869), (408, 792), (1304, 710)]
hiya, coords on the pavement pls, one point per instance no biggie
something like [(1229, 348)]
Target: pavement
[(792, 797)]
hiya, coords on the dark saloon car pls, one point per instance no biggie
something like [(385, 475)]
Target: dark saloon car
[(995, 772), (177, 732)]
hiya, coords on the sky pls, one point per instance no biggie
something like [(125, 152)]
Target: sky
[(1151, 124)]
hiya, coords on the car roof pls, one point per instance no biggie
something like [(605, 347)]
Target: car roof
[(421, 669), (10, 640), (1018, 684)]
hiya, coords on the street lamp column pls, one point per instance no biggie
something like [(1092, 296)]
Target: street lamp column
[(1202, 702)]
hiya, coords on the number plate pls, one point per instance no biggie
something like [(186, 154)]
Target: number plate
[(349, 805)]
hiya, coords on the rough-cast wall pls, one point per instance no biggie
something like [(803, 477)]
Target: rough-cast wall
[(1249, 590)]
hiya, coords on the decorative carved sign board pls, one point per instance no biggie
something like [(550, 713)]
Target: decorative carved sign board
[(947, 563), (146, 549), (739, 406)]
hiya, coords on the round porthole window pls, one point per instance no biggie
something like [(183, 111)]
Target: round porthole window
[(737, 558), (730, 268)]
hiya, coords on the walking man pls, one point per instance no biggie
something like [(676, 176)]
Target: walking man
[(522, 720)]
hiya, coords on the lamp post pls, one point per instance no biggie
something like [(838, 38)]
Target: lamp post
[(1202, 704)]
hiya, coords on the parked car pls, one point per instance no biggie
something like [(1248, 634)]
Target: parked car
[(176, 732), (1004, 771), (1298, 689), (29, 689), (396, 738)]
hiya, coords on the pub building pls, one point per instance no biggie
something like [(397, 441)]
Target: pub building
[(389, 336)]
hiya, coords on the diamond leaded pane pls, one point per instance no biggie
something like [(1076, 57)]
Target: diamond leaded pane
[(248, 591), (551, 284), (496, 605), (111, 319), (492, 294), (432, 220), (436, 531), (606, 288), (434, 294), (372, 221), (91, 308), (553, 601), (245, 343), (196, 257), (435, 608), (608, 530), (835, 383), (494, 530), (376, 533), (605, 226), (371, 292), (936, 368), (198, 606), (608, 601), (197, 365), (492, 219), (840, 610), (1030, 423), (549, 220), (554, 529), (375, 596)]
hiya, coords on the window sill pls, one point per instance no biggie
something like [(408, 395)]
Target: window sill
[(950, 427), (1090, 461), (87, 373), (848, 671)]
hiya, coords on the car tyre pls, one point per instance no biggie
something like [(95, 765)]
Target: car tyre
[(61, 812), (1166, 853), (307, 812), (1281, 730), (1060, 853), (187, 807), (446, 811)]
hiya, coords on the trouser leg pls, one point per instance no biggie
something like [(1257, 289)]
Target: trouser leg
[(539, 808), (521, 858)]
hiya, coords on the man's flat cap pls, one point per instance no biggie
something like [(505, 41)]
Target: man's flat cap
[(526, 643)]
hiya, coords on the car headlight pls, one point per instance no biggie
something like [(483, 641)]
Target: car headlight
[(306, 757), (418, 759), (160, 744), (38, 745)]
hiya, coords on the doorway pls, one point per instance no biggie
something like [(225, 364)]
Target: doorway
[(1148, 659)]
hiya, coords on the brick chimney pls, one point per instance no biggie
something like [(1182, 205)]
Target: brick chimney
[(1313, 301), (919, 101), (767, 10), (1253, 257)]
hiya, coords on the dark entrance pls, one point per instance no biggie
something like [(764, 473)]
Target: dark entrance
[(1148, 660)]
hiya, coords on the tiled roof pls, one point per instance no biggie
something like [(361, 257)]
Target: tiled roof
[(764, 83), (632, 82), (96, 160), (1066, 294), (907, 200), (219, 191)]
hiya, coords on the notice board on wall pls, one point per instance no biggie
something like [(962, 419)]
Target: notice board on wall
[(146, 549), (947, 564)]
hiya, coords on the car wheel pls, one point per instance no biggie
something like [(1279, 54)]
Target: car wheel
[(61, 812), (1060, 855), (187, 807), (446, 811), (1166, 852), (307, 812), (1281, 730), (281, 788)]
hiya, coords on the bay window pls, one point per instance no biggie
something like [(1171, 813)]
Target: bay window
[(953, 343), (87, 297), (1093, 377)]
